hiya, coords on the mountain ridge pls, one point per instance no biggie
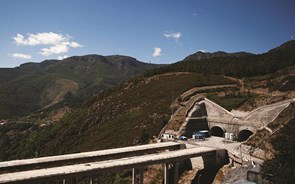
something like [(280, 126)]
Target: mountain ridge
[(238, 64), (29, 87), (200, 55)]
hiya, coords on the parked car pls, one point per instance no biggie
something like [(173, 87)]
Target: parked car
[(206, 132), (183, 138), (198, 135)]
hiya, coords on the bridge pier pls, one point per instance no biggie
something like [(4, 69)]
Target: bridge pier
[(134, 174), (166, 173), (176, 171), (141, 175), (219, 158)]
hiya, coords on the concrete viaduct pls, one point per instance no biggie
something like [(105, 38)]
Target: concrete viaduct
[(207, 115), (64, 168)]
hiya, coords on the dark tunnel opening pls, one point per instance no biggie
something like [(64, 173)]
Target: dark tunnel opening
[(244, 135), (217, 131)]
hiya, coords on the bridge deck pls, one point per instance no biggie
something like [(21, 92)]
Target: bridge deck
[(92, 156), (92, 168)]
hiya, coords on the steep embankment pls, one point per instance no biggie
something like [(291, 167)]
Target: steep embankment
[(128, 115), (260, 143)]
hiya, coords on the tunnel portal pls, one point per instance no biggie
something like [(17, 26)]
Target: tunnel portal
[(243, 135), (217, 131)]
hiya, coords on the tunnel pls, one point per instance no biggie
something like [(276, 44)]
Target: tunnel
[(217, 131), (243, 135)]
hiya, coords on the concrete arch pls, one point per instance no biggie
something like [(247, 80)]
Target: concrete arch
[(217, 131), (243, 135), (246, 127)]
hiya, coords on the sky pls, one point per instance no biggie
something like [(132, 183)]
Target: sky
[(153, 31)]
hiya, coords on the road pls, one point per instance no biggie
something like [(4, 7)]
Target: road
[(218, 142)]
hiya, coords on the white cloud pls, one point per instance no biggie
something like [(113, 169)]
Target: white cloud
[(75, 44), (58, 43), (62, 57), (175, 36), (49, 38), (19, 39), (157, 52), (56, 49), (21, 56)]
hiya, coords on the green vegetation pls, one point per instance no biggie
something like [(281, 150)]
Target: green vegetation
[(12, 134), (230, 101), (35, 86), (109, 116), (237, 66), (132, 113)]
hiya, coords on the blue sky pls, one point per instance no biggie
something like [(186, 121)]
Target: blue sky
[(156, 31)]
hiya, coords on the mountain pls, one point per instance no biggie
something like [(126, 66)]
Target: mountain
[(285, 47), (239, 64), (136, 111), (198, 56), (129, 114), (34, 86)]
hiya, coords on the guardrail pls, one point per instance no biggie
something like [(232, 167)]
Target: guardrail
[(65, 173), (53, 161)]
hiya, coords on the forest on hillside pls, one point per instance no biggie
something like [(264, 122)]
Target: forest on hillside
[(236, 66)]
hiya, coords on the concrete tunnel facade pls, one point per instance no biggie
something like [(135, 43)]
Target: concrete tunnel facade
[(204, 114)]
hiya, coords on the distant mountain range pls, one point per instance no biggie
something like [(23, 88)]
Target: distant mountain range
[(34, 86), (198, 56), (240, 64)]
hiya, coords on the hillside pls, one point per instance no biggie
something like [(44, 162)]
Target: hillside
[(141, 106), (198, 56), (276, 144), (235, 64), (136, 111), (131, 114), (35, 86)]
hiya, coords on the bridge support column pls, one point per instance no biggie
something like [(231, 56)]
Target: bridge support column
[(68, 180), (219, 158), (134, 173), (133, 176), (176, 169), (166, 173), (175, 173), (141, 175)]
